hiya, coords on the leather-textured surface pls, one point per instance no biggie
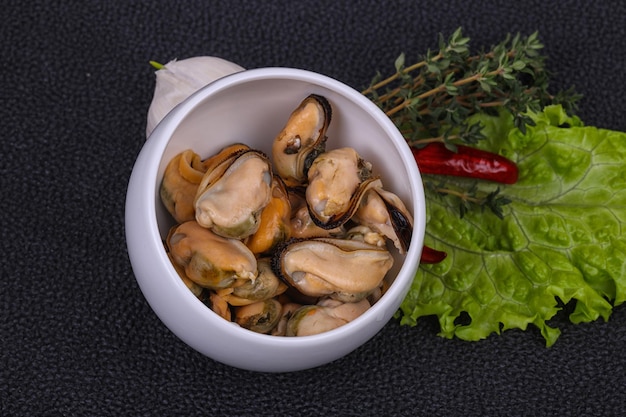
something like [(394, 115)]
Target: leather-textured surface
[(76, 336)]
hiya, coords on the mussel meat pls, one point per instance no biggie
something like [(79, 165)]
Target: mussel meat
[(302, 226), (324, 316), (233, 192), (265, 286), (294, 247), (301, 140), (274, 222), (260, 317), (195, 289), (180, 183), (367, 235), (286, 313), (218, 305), (342, 269), (209, 260), (337, 181), (384, 212)]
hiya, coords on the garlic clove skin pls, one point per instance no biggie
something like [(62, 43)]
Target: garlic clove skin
[(177, 80)]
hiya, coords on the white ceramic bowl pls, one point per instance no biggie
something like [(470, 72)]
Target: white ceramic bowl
[(251, 107)]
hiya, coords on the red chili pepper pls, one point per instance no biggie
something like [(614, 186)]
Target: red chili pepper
[(435, 158), (432, 256)]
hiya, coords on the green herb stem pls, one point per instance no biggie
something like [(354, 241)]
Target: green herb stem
[(442, 88), (433, 99)]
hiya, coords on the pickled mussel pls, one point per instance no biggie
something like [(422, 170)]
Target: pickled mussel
[(302, 225), (233, 193), (217, 304), (181, 179), (384, 212), (324, 316), (260, 317), (288, 247), (346, 270), (209, 260), (195, 289), (289, 308), (365, 234), (266, 285), (301, 140), (337, 180), (274, 221)]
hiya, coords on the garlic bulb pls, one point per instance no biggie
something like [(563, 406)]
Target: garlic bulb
[(177, 80)]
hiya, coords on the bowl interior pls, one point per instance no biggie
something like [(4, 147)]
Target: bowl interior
[(254, 111)]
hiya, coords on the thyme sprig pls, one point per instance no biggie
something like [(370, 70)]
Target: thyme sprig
[(432, 99)]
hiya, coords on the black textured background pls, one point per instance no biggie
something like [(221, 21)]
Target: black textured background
[(77, 337)]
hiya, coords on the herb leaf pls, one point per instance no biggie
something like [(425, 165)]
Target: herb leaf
[(561, 237), (440, 91)]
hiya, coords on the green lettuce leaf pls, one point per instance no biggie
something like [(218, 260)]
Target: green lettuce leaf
[(562, 237)]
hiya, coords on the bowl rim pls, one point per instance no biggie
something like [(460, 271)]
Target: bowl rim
[(160, 138)]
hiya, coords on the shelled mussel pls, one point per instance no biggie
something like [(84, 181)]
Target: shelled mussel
[(295, 244)]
